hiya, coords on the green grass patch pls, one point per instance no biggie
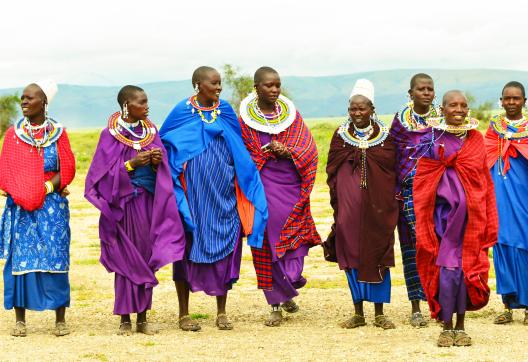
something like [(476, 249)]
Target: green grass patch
[(91, 261), (149, 344), (200, 316), (96, 356)]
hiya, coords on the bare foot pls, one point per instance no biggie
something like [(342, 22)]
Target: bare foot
[(223, 323)]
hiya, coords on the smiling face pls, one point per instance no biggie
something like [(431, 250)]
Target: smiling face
[(422, 93), (512, 101), (138, 107), (32, 102), (360, 110), (210, 87), (269, 87), (455, 108)]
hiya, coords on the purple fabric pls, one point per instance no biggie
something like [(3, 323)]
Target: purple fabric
[(139, 232), (348, 219), (282, 185), (213, 279), (450, 213), (452, 293)]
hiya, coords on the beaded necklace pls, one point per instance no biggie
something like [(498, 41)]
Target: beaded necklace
[(115, 127), (283, 116), (439, 123), (507, 130), (414, 121), (193, 101), (38, 136), (360, 138)]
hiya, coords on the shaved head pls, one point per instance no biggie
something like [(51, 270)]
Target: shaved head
[(40, 92), (200, 73), (449, 94)]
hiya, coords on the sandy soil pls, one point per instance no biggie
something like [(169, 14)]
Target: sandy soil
[(311, 334)]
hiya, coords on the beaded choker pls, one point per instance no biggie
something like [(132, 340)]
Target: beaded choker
[(116, 127), (356, 140), (193, 101), (282, 118), (39, 136), (413, 121), (439, 123), (509, 129)]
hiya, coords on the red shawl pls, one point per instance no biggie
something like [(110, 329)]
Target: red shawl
[(22, 170), (299, 227), (482, 224), (510, 148)]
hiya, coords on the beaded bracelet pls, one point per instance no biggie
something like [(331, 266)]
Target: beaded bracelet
[(128, 166), (49, 187)]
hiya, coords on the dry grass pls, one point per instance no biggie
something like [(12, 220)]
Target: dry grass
[(311, 334)]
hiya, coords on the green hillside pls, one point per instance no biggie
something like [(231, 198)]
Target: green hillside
[(321, 97)]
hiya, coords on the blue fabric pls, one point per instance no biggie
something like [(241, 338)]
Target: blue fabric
[(369, 292), (511, 271), (510, 254), (510, 192), (144, 177), (35, 291), (185, 136), (212, 240), (38, 240)]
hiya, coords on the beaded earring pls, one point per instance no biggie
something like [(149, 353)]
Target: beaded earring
[(196, 88), (125, 111), (45, 110)]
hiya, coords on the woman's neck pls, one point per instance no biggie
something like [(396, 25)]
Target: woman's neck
[(266, 107), (204, 102), (38, 120), (421, 109)]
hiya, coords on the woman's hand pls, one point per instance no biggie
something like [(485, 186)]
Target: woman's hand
[(279, 149), (65, 192), (3, 193), (142, 159), (155, 156)]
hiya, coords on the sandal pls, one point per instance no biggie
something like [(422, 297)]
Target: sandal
[(125, 329), (417, 320), (275, 318), (504, 318), (354, 322), (19, 330), (146, 328), (187, 324), (383, 322), (223, 323), (61, 329), (446, 339), (290, 306), (462, 339)]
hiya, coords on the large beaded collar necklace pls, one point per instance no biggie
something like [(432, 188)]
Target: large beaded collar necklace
[(460, 130), (283, 116), (196, 107), (508, 129), (38, 136), (360, 138), (116, 126), (413, 121)]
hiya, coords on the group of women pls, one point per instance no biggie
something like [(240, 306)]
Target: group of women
[(189, 193)]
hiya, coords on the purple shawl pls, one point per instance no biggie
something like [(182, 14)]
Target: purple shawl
[(108, 187)]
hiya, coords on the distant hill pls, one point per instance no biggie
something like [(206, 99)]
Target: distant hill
[(89, 106)]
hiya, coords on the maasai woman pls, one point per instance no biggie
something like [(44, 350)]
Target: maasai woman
[(362, 183), (507, 148), (408, 126), (286, 155), (130, 182), (36, 165), (456, 218), (219, 194)]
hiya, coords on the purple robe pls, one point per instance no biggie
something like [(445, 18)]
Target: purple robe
[(140, 231), (450, 217), (282, 185)]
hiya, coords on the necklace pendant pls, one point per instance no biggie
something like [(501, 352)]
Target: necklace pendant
[(136, 146), (219, 112), (192, 110)]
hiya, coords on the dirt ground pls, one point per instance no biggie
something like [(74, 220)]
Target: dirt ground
[(311, 334)]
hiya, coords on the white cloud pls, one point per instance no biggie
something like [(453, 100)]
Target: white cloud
[(116, 42)]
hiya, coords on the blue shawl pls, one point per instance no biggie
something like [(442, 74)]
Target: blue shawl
[(185, 135)]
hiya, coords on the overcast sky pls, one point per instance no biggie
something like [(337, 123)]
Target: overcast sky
[(108, 42)]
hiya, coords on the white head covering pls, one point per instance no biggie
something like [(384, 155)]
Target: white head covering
[(365, 88), (49, 87)]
